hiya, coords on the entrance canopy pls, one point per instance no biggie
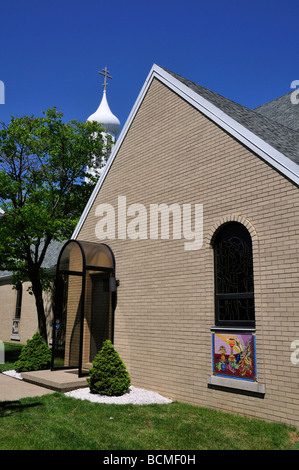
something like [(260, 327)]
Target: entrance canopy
[(79, 256), (84, 304)]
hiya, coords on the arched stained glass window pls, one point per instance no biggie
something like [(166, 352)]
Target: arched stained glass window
[(234, 287)]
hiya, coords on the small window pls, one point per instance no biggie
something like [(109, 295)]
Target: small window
[(15, 332), (19, 301), (234, 290)]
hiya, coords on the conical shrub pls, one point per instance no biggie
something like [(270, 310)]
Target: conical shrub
[(35, 355), (108, 375)]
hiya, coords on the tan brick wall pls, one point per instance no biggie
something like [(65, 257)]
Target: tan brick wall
[(173, 154)]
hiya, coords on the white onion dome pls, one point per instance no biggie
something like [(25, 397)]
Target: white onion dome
[(104, 116)]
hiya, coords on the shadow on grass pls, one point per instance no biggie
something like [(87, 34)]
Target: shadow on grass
[(8, 408)]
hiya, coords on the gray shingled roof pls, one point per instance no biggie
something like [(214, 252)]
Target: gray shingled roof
[(282, 110), (50, 260), (262, 121)]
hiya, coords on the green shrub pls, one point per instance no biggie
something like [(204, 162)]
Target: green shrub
[(108, 375), (35, 355)]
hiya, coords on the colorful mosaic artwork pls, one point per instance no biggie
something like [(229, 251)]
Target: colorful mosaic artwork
[(234, 355), (15, 327)]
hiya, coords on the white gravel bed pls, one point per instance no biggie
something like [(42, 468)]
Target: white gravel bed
[(13, 373), (135, 396)]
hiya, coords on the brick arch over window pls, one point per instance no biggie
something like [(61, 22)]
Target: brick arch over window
[(232, 242), (233, 218)]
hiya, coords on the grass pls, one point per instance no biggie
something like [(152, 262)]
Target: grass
[(12, 352), (57, 422)]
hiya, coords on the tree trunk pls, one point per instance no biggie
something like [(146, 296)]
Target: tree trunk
[(39, 301)]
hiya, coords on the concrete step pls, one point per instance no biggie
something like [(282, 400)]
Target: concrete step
[(58, 380)]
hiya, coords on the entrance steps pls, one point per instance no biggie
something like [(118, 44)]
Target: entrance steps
[(58, 380)]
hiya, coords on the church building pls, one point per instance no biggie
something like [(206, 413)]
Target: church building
[(186, 255)]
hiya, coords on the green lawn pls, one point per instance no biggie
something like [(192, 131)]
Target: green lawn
[(12, 352), (57, 422)]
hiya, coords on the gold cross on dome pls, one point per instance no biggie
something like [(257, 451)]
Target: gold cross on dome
[(106, 75)]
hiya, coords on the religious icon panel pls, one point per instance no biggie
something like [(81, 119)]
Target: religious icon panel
[(234, 354)]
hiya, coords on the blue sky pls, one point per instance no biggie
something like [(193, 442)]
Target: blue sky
[(51, 51)]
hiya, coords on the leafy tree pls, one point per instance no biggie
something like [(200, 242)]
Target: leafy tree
[(44, 187)]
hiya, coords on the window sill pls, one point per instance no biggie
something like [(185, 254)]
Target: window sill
[(232, 328), (15, 338), (236, 385)]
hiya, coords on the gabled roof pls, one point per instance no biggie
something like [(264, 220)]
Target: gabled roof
[(274, 142), (266, 122)]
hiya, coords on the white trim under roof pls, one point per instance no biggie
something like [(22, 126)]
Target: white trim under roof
[(275, 158)]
